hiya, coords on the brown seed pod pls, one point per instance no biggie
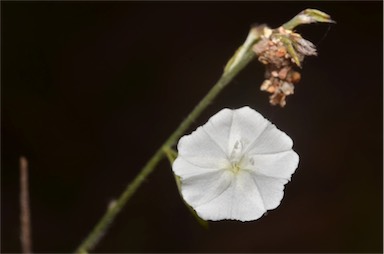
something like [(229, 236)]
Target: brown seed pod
[(295, 77)]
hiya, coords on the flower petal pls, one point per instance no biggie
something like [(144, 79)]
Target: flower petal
[(278, 165), (201, 189), (241, 200), (247, 126), (271, 140), (271, 189), (201, 150), (185, 169), (218, 128)]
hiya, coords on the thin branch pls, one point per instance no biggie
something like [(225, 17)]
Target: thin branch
[(25, 218)]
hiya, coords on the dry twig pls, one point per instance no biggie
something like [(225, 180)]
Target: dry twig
[(25, 219)]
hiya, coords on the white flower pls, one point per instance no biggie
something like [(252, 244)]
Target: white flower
[(235, 166)]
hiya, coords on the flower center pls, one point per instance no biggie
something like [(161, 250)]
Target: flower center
[(235, 167), (235, 157)]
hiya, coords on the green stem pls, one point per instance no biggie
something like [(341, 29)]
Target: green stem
[(170, 153), (99, 230)]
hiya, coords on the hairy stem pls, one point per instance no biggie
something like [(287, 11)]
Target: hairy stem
[(99, 230)]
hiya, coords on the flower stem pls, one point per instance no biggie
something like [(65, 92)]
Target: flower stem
[(99, 230)]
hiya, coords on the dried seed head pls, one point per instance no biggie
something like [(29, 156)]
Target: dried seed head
[(280, 50)]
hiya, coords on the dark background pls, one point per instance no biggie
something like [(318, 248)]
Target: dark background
[(90, 90)]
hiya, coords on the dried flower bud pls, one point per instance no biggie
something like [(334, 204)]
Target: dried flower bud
[(265, 85), (287, 88), (308, 16), (283, 73), (277, 99), (303, 46), (294, 77)]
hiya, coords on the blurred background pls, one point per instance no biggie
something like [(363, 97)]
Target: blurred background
[(90, 91)]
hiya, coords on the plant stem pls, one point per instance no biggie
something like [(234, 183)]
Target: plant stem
[(25, 214), (99, 230)]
